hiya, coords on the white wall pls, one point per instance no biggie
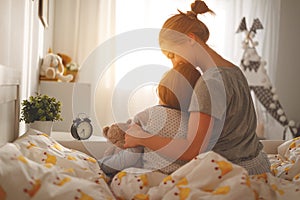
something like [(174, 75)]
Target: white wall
[(288, 71), (24, 41), (16, 50)]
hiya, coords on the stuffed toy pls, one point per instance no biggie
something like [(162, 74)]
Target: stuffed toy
[(65, 58), (53, 68), (112, 162), (71, 67), (69, 64), (116, 135)]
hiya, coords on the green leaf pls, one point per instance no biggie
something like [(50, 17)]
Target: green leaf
[(40, 108)]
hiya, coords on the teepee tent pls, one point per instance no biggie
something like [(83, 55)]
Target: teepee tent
[(253, 67)]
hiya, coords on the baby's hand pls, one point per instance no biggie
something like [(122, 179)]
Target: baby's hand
[(134, 135)]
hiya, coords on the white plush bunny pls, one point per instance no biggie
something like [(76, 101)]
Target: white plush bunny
[(52, 68)]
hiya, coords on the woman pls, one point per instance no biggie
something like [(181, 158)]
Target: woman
[(222, 115)]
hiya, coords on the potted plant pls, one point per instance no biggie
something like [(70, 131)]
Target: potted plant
[(40, 112)]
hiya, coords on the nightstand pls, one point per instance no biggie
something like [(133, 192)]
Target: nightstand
[(94, 146), (64, 92)]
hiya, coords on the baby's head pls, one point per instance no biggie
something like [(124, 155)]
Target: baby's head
[(176, 86)]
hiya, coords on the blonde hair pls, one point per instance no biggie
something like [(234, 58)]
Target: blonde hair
[(176, 86), (187, 23)]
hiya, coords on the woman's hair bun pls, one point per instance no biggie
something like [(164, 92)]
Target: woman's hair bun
[(200, 7)]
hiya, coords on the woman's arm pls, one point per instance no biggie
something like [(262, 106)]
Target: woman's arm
[(200, 126)]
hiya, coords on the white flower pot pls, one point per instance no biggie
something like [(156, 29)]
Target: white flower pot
[(43, 126)]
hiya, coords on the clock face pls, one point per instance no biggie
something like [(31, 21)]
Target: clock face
[(84, 130)]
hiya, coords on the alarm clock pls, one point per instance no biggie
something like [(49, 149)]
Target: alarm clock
[(81, 128)]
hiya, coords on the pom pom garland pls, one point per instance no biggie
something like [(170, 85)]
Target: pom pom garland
[(273, 90), (272, 106), (279, 111), (295, 130), (275, 97), (256, 73), (292, 123), (282, 118)]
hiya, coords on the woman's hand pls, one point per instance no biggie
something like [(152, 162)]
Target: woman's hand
[(134, 136)]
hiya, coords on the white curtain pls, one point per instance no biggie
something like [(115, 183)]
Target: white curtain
[(229, 15), (81, 26), (137, 14), (224, 24), (224, 39), (140, 15), (268, 11)]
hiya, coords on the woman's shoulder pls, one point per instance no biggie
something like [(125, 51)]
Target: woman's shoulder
[(221, 69), (222, 74)]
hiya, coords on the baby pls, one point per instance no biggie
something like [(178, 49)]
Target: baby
[(168, 119)]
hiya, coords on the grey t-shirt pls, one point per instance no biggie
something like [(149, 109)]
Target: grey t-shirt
[(223, 93)]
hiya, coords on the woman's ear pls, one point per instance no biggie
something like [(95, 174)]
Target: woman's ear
[(193, 37)]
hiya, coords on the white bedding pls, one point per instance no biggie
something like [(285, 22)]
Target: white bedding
[(36, 167), (208, 176)]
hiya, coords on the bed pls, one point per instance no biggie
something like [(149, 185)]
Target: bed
[(36, 166), (9, 101)]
